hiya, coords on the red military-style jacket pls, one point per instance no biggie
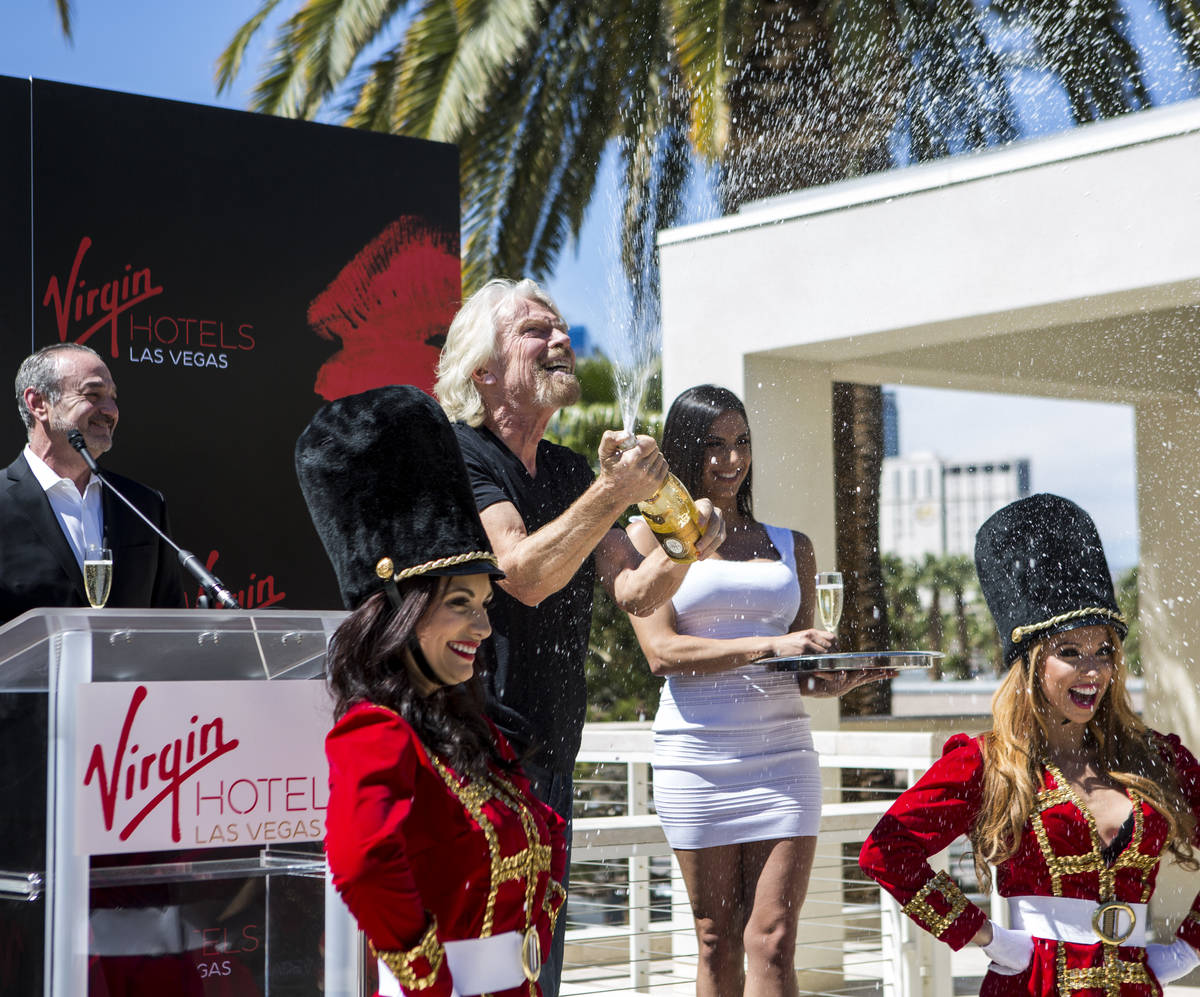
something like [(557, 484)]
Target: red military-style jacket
[(1060, 856), (423, 857)]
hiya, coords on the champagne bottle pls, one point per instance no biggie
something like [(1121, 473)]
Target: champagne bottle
[(671, 514)]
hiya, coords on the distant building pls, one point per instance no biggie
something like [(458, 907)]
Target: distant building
[(931, 506), (581, 341), (891, 425)]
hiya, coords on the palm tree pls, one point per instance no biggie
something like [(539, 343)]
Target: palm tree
[(1127, 599), (858, 458), (905, 624), (778, 95), (781, 94), (959, 574), (931, 576)]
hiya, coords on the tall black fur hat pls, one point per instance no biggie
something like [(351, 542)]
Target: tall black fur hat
[(1042, 570), (388, 492)]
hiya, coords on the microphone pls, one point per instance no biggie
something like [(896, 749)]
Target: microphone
[(208, 581)]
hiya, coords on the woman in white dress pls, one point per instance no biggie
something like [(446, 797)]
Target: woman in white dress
[(736, 778)]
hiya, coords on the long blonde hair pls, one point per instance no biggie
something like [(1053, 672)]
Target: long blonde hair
[(1013, 751)]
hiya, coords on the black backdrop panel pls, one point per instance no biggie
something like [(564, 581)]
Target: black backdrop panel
[(16, 319), (236, 270)]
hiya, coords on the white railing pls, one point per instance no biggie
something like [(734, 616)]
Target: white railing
[(640, 937)]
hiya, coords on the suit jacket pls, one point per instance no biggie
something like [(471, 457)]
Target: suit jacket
[(38, 568)]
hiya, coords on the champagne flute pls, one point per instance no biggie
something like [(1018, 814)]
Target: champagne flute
[(829, 599), (97, 575)]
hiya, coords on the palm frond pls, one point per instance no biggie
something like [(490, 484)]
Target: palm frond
[(428, 50), (496, 37), (1087, 46), (706, 45), (64, 17), (524, 185), (372, 102), (229, 62), (957, 97), (1184, 18), (314, 51)]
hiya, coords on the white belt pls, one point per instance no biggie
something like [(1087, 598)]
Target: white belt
[(1084, 922), (482, 965)]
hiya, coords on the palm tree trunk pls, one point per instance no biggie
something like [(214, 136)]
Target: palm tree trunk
[(857, 462)]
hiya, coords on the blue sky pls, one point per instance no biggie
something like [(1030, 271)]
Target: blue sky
[(168, 49)]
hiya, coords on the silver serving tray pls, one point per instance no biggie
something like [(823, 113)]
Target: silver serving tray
[(852, 661)]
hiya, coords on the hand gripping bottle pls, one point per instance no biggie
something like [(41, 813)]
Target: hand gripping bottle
[(671, 514)]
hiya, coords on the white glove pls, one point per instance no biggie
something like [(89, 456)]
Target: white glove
[(1171, 962), (1010, 951)]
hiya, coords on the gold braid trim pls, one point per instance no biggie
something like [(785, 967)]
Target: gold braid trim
[(1020, 633), (554, 891), (921, 911), (402, 963), (1090, 861), (526, 864), (1109, 976), (447, 562)]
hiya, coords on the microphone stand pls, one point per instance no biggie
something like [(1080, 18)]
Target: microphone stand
[(207, 580)]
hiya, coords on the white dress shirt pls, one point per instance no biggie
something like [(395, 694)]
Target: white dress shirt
[(80, 517)]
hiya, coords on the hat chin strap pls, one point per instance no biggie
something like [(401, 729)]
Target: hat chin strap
[(423, 666)]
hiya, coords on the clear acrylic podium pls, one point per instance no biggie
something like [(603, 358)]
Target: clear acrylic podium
[(162, 787)]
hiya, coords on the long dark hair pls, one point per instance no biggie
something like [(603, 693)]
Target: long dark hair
[(366, 665), (686, 429)]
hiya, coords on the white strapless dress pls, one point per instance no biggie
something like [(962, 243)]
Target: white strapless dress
[(733, 752)]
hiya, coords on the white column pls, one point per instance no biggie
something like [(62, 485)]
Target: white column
[(1168, 467)]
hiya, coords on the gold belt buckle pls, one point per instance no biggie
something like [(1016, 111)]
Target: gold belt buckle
[(531, 955), (1106, 922)]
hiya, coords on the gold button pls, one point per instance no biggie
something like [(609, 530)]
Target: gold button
[(385, 569)]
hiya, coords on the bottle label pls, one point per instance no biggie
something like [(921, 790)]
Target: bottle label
[(679, 544)]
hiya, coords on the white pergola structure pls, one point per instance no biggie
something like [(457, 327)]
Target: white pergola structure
[(1066, 267)]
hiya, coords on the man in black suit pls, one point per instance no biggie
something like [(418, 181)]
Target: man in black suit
[(51, 510), (52, 507)]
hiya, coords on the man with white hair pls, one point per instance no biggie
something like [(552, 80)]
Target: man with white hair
[(506, 368)]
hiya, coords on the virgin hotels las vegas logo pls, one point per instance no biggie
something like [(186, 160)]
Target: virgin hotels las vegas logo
[(115, 308)]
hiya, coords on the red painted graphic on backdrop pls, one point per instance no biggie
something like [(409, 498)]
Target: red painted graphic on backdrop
[(74, 301), (257, 593), (389, 307), (198, 748)]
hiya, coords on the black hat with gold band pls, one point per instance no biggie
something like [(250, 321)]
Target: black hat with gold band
[(1042, 570), (388, 492)]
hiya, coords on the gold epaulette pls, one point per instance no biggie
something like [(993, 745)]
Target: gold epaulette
[(403, 964), (922, 911)]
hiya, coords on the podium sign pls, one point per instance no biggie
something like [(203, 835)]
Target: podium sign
[(170, 765), (162, 807)]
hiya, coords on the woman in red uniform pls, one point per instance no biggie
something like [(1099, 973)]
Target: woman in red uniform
[(1070, 797), (448, 861)]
